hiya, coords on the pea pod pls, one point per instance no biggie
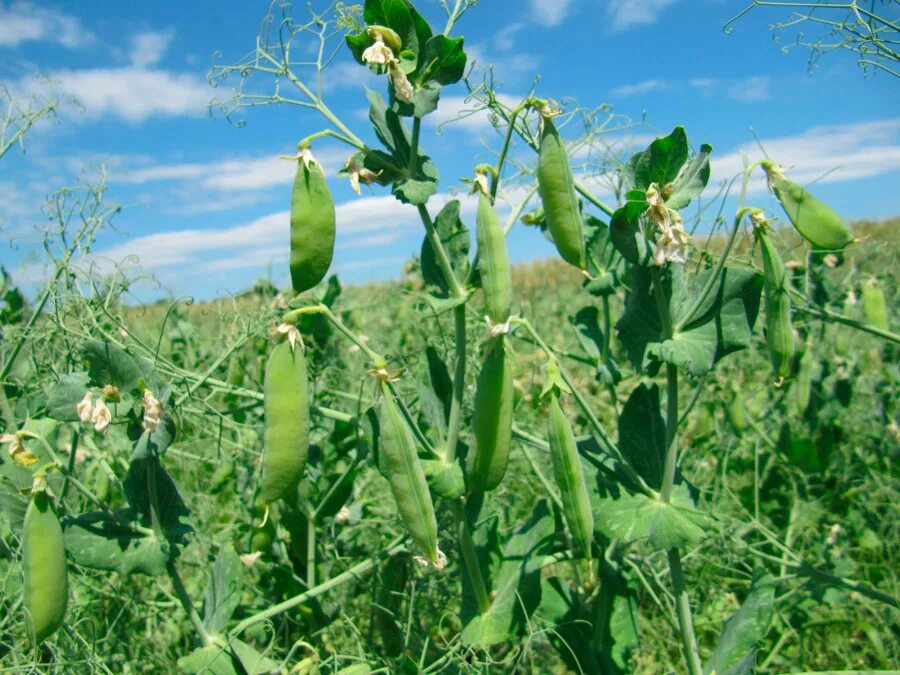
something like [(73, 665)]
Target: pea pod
[(407, 478), (312, 225), (493, 261), (556, 187), (569, 476), (286, 391), (817, 222), (874, 305), (492, 420), (44, 561), (779, 332)]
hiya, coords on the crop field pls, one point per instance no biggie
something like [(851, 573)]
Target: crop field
[(670, 448)]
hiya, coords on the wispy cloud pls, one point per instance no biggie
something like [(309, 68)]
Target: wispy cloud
[(550, 12), (149, 47), (625, 14), (640, 88), (29, 22), (751, 89), (504, 39)]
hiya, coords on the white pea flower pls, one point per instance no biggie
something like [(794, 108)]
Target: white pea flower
[(84, 408), (293, 334), (100, 416), (343, 516), (17, 449), (495, 329), (403, 90), (439, 565), (152, 411), (656, 206), (250, 558), (671, 242), (379, 54), (362, 175), (481, 184)]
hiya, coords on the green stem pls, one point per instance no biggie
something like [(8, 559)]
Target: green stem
[(414, 147), (310, 550), (353, 573), (587, 194), (473, 571), (504, 149), (459, 382), (70, 467), (685, 620), (8, 415), (456, 289), (186, 603), (665, 494)]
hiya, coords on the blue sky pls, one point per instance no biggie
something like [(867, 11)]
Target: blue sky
[(205, 201)]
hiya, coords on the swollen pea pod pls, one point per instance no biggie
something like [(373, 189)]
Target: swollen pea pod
[(286, 392), (312, 225), (492, 420), (569, 476), (493, 261), (556, 187), (874, 305), (817, 222), (407, 478), (44, 560), (779, 332)]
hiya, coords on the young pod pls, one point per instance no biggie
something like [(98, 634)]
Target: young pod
[(817, 222), (286, 392), (779, 332), (569, 476), (493, 261), (312, 225), (492, 419), (407, 478), (556, 187), (44, 561), (874, 305)]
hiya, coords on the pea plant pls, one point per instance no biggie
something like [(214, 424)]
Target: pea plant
[(460, 492)]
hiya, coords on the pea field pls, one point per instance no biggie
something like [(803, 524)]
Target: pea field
[(670, 448)]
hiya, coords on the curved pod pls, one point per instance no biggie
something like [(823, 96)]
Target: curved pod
[(286, 391), (779, 332), (493, 261), (492, 420), (312, 226), (46, 587), (556, 187), (569, 476), (407, 478)]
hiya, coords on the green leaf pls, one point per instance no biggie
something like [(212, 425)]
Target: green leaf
[(223, 593), (625, 229), (109, 364), (642, 434), (414, 192), (744, 630), (660, 163), (335, 491), (358, 43), (155, 444), (171, 510), (424, 102), (103, 541), (439, 377), (401, 17), (456, 240), (443, 60), (665, 526), (691, 180), (236, 658), (516, 586), (66, 395)]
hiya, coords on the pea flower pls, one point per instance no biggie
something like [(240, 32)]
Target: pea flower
[(671, 242), (84, 408), (379, 54), (403, 90), (152, 411), (362, 175), (293, 335), (17, 449), (100, 416)]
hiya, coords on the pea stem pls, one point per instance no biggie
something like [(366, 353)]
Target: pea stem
[(473, 571), (185, 600), (459, 382)]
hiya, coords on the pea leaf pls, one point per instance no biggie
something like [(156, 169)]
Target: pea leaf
[(171, 509), (223, 593), (236, 658), (625, 230), (664, 526), (642, 434), (104, 541), (660, 163), (66, 395), (401, 17), (455, 237), (691, 180), (424, 101), (736, 649), (443, 60), (439, 377), (516, 587)]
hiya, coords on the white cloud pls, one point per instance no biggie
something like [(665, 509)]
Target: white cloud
[(625, 14), (751, 89), (508, 67), (550, 12), (28, 22), (823, 154), (640, 88), (464, 116), (503, 40), (148, 48)]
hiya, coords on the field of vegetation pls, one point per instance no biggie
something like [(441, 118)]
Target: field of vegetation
[(656, 453)]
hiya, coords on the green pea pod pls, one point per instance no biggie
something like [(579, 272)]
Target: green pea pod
[(286, 391), (736, 412), (407, 478), (569, 476), (312, 226), (817, 222), (556, 187), (387, 618), (44, 560), (779, 332), (874, 305), (493, 261), (492, 420)]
